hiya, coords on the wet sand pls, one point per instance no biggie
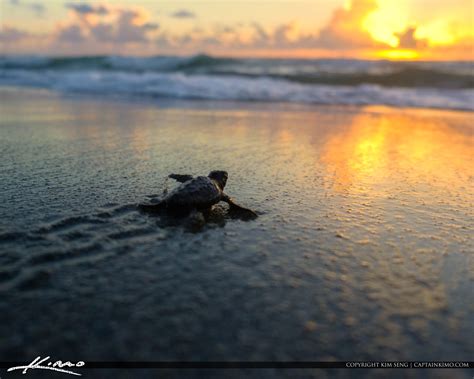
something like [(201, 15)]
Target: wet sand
[(362, 251)]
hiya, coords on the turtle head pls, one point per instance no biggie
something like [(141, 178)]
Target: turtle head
[(220, 177)]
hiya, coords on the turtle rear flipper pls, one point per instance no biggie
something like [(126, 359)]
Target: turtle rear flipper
[(180, 178)]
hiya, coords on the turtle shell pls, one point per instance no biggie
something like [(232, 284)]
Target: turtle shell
[(200, 193)]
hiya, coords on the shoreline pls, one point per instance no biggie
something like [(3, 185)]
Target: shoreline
[(222, 104)]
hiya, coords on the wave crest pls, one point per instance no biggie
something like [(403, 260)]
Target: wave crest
[(420, 84)]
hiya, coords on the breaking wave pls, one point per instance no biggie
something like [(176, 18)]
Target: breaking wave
[(325, 81)]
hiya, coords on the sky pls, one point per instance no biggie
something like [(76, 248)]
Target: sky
[(366, 29)]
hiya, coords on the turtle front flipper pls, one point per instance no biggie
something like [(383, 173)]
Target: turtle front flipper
[(180, 178), (235, 208)]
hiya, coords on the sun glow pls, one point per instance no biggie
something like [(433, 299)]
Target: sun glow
[(398, 54), (438, 33), (382, 24), (413, 36)]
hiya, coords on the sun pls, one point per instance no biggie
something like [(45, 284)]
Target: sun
[(398, 54)]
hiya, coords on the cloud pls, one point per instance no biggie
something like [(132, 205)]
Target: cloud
[(260, 32), (71, 34), (407, 39), (108, 28), (105, 24), (345, 28), (9, 34), (129, 29), (85, 9), (343, 31), (183, 13), (36, 7), (281, 34)]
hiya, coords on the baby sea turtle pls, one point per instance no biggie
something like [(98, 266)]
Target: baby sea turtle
[(197, 194)]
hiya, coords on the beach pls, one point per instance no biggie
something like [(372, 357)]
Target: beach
[(362, 249)]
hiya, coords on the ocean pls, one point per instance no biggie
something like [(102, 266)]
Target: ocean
[(446, 85)]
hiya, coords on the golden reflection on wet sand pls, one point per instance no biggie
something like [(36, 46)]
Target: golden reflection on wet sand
[(425, 149)]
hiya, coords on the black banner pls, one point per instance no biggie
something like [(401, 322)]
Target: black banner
[(255, 364)]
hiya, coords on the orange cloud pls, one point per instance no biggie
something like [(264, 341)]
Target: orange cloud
[(345, 29)]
